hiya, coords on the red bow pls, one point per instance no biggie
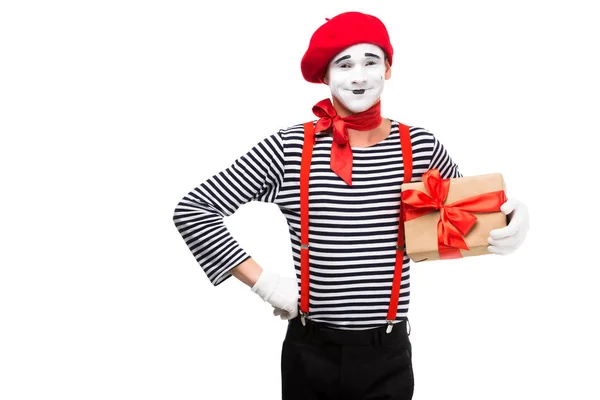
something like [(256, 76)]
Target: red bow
[(341, 152), (455, 218)]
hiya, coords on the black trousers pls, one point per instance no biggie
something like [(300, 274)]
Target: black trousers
[(332, 364)]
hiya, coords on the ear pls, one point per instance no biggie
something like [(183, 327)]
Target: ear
[(326, 77), (388, 70)]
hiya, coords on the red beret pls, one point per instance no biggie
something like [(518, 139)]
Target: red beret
[(339, 33)]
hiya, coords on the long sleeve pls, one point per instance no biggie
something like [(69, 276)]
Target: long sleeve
[(256, 176), (441, 160)]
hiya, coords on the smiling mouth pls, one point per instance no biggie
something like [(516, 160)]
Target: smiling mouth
[(359, 91)]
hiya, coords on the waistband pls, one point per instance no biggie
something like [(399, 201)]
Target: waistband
[(318, 333)]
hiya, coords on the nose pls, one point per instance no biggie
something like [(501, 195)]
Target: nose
[(359, 77), (359, 80)]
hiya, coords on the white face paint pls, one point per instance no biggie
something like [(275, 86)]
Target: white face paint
[(357, 75)]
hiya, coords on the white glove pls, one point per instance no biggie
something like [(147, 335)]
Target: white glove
[(279, 291), (508, 239)]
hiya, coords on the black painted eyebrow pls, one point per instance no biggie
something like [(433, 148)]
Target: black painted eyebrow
[(342, 59), (372, 55)]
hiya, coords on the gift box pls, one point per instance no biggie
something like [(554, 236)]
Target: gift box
[(451, 218)]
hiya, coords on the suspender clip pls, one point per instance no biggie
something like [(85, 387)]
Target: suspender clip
[(390, 326), (303, 317)]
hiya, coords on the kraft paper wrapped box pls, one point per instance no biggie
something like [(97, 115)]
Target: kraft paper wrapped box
[(471, 209)]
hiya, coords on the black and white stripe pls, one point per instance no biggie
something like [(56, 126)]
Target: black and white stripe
[(353, 229)]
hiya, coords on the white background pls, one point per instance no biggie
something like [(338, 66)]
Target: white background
[(110, 112)]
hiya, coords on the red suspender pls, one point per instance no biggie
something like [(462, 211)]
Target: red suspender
[(406, 147), (307, 150)]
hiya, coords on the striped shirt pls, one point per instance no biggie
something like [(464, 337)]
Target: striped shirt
[(353, 230)]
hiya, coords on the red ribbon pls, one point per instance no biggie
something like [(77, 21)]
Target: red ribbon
[(456, 219)]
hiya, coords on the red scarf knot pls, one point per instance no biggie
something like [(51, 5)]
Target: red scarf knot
[(341, 152)]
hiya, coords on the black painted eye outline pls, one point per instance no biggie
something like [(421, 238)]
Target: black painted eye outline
[(369, 63)]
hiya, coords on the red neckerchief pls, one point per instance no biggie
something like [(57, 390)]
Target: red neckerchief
[(341, 152)]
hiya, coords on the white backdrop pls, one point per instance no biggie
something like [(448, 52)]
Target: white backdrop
[(110, 112)]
